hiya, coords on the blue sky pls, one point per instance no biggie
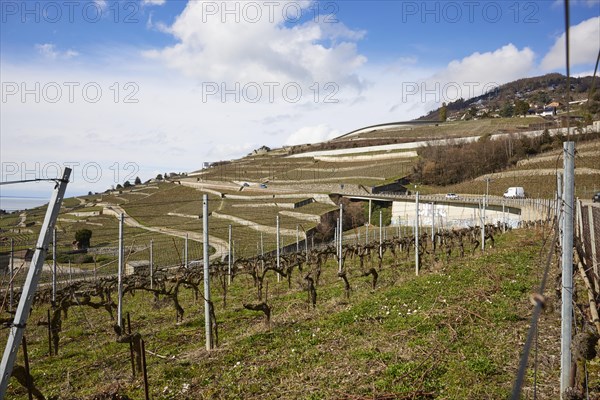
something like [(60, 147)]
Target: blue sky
[(140, 87)]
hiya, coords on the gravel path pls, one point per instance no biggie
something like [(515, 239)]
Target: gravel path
[(220, 245)]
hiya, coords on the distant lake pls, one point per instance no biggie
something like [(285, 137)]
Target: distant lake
[(10, 204)]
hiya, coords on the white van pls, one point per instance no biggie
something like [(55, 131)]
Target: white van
[(516, 192)]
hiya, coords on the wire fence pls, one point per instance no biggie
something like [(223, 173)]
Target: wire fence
[(168, 248), (589, 223), (172, 251)]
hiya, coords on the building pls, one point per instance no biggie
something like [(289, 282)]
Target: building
[(396, 187), (22, 258), (137, 267)]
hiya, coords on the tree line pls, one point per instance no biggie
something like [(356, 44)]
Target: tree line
[(458, 162)]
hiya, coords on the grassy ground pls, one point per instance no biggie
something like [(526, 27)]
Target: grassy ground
[(454, 332)]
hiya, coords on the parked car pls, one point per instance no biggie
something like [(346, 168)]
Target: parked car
[(596, 198), (452, 196), (263, 186)]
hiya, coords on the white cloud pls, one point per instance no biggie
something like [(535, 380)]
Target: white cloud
[(339, 31), (153, 2), (172, 128), (584, 45), (583, 74), (49, 51), (495, 67), (257, 45), (471, 76), (70, 54), (229, 151), (157, 26), (312, 134), (102, 4), (172, 124), (177, 129)]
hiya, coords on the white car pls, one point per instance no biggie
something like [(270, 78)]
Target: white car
[(452, 196)]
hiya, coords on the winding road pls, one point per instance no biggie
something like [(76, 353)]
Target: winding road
[(221, 246)]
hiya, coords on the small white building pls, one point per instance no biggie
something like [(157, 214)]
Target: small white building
[(137, 267)]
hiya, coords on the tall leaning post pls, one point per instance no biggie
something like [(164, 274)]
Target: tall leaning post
[(54, 264), (567, 266), (33, 276), (207, 317), (12, 275)]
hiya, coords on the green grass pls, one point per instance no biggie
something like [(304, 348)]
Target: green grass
[(455, 332), (70, 202), (315, 208)]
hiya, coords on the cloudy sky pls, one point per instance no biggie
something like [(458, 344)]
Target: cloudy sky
[(118, 89)]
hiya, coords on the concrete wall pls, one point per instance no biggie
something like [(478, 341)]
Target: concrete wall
[(451, 216)]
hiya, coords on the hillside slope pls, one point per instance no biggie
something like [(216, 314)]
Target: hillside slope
[(455, 332)]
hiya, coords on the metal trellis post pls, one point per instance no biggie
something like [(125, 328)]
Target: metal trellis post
[(12, 274), (151, 264), (26, 301), (482, 211), (229, 257), (120, 273), (278, 251), (207, 317), (340, 238), (567, 266), (185, 252), (54, 264), (417, 235), (380, 233)]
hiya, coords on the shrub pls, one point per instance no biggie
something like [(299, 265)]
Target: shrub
[(83, 238)]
